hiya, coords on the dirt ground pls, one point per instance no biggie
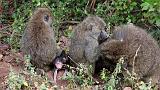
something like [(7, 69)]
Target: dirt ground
[(8, 60)]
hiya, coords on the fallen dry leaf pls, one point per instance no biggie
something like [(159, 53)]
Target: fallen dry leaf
[(127, 88), (1, 57)]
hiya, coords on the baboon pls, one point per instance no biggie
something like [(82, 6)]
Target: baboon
[(140, 50), (39, 40), (84, 40), (59, 62)]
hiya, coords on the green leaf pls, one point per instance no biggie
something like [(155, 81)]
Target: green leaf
[(151, 8), (158, 22), (145, 6)]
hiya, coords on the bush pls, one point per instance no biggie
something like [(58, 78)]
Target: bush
[(144, 13)]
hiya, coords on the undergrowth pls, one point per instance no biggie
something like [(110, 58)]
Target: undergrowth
[(15, 14), (144, 13), (79, 78), (28, 79)]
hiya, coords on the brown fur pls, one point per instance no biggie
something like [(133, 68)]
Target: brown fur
[(125, 41), (84, 40), (38, 39)]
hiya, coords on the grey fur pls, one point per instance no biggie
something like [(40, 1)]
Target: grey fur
[(84, 41)]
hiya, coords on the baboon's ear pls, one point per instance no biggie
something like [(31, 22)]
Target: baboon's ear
[(103, 36)]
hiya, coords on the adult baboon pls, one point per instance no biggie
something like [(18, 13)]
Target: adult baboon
[(84, 41), (39, 40), (140, 50)]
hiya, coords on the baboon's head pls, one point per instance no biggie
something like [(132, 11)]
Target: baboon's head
[(42, 15), (60, 60), (94, 24), (112, 47)]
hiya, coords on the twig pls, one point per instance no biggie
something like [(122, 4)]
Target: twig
[(87, 3), (73, 61), (7, 33), (69, 22), (92, 4), (5, 27), (135, 58), (81, 67)]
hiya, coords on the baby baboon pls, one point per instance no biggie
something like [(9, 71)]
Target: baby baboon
[(84, 41), (139, 48), (59, 63), (38, 39)]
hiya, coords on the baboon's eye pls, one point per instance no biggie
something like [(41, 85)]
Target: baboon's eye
[(46, 18)]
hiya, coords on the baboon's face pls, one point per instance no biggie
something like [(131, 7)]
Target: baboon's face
[(59, 61)]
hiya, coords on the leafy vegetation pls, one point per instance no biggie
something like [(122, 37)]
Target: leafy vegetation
[(144, 13), (81, 78), (28, 79)]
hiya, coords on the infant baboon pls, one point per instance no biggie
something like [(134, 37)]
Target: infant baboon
[(84, 41), (139, 48), (39, 40), (59, 63)]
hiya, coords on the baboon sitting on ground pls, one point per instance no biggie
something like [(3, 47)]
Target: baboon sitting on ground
[(39, 40), (139, 48), (84, 41)]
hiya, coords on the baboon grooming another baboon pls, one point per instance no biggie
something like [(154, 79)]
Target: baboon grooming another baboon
[(39, 40), (84, 41), (139, 48)]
